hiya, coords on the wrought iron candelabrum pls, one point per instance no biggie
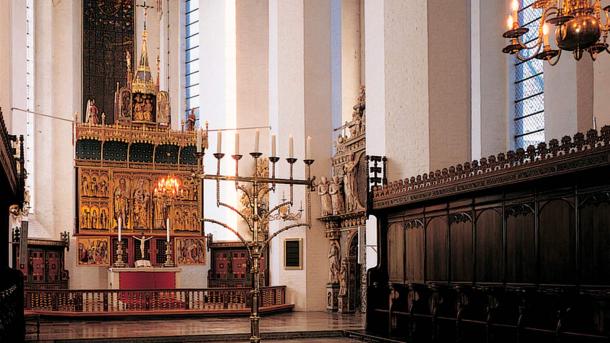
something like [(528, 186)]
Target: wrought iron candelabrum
[(258, 214)]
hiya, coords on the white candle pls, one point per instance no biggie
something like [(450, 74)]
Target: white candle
[(167, 224), (236, 143), (308, 148), (515, 8), (290, 147), (509, 22), (119, 228), (257, 136), (199, 139), (219, 142), (273, 145)]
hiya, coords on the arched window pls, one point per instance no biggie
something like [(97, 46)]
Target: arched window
[(529, 84), (191, 56)]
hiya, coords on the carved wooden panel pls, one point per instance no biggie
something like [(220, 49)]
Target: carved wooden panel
[(595, 239), (436, 249), (396, 251), (461, 250), (557, 242), (521, 247), (108, 31), (489, 247), (415, 245)]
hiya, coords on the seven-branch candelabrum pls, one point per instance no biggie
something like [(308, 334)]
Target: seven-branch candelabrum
[(580, 26), (256, 214)]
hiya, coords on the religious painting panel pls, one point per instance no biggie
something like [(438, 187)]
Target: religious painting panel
[(129, 195), (190, 251), (93, 251), (143, 107), (163, 109), (124, 100)]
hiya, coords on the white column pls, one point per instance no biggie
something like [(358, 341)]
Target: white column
[(601, 91), (568, 97), (287, 116), (175, 57), (6, 28), (217, 104), (318, 125), (491, 71), (374, 62)]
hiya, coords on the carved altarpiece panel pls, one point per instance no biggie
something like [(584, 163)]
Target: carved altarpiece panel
[(108, 32)]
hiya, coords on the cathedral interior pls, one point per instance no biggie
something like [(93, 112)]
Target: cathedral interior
[(304, 171)]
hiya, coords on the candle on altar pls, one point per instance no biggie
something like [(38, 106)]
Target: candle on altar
[(308, 148), (167, 225), (199, 140), (290, 146), (236, 143), (273, 146), (257, 136), (120, 228), (219, 142)]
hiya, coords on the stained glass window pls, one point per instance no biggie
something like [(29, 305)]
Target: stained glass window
[(529, 84), (191, 56)]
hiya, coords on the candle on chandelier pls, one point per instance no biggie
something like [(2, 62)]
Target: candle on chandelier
[(199, 140), (308, 148), (236, 143), (510, 22), (290, 146), (545, 35), (120, 229), (273, 146), (167, 224), (515, 8), (219, 142), (256, 140)]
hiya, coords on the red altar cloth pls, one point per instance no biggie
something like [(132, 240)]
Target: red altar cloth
[(147, 280)]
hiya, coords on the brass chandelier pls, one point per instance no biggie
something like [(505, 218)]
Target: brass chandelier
[(579, 27)]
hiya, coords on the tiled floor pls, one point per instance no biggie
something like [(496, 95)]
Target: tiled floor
[(140, 328)]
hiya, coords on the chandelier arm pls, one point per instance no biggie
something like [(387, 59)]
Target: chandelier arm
[(551, 63), (241, 238), (292, 226), (246, 192), (276, 208), (236, 211)]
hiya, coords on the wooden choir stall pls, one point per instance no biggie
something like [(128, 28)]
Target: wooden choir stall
[(510, 248)]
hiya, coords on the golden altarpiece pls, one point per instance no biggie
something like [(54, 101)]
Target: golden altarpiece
[(343, 200), (119, 164)]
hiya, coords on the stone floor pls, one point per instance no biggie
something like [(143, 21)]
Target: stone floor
[(315, 327)]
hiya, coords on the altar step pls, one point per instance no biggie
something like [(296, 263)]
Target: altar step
[(238, 337)]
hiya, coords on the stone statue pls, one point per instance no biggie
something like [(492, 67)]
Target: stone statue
[(103, 218), (336, 196), (141, 199), (92, 113), (94, 218), (121, 202), (142, 241), (163, 113), (351, 188), (334, 261), (326, 204), (343, 278), (190, 120), (85, 186)]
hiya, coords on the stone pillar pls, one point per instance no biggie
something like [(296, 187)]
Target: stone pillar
[(601, 91), (175, 73), (318, 125), (568, 97), (6, 29), (492, 106)]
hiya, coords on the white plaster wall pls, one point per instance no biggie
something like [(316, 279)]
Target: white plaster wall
[(405, 31)]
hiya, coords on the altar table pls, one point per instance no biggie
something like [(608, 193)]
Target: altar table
[(143, 278)]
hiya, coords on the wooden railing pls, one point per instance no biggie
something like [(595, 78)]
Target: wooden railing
[(114, 301)]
